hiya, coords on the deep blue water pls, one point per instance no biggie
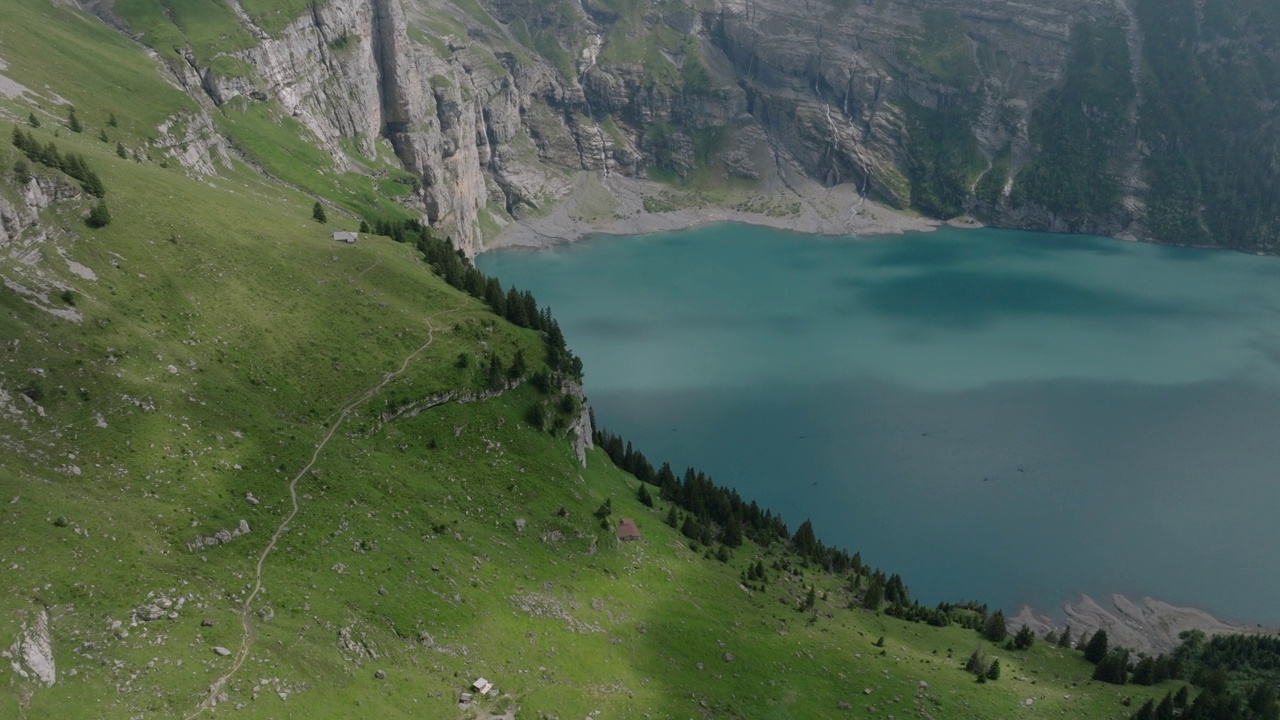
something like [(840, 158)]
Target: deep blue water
[(1008, 416)]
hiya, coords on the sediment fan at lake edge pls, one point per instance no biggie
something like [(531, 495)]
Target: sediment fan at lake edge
[(1150, 626)]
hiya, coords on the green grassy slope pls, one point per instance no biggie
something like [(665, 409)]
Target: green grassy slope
[(217, 347)]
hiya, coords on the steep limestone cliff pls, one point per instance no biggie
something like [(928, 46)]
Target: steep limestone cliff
[(1022, 112)]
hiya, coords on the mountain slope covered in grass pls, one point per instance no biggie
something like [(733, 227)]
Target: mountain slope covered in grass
[(247, 470)]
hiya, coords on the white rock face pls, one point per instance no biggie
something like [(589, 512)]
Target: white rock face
[(33, 652)]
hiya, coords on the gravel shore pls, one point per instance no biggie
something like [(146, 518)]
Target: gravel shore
[(617, 205)]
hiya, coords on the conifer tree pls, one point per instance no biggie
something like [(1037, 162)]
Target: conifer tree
[(1096, 649), (810, 599), (120, 151), (102, 135), (974, 663), (318, 214), (100, 216), (519, 366), (364, 226), (1144, 672), (993, 671), (672, 519), (111, 120), (1025, 638), (22, 171), (995, 629), (495, 371), (1065, 640), (90, 181), (874, 595), (690, 527), (804, 540), (732, 532), (73, 122), (642, 494), (32, 120), (1114, 668)]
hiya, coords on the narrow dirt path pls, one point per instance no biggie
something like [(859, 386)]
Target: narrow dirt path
[(246, 611)]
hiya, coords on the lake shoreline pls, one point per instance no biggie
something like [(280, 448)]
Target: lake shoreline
[(1148, 625), (619, 205), (615, 205)]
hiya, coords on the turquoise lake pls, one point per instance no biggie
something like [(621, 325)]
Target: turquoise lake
[(1008, 416)]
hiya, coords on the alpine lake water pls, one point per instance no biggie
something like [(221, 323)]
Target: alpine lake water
[(998, 415)]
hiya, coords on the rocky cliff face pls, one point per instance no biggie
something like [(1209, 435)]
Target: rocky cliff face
[(947, 106)]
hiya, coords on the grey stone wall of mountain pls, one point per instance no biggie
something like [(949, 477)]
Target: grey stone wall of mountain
[(495, 123)]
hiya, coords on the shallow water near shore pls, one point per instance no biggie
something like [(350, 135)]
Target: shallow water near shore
[(1008, 416)]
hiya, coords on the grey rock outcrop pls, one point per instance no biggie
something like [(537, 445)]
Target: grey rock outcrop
[(221, 537)]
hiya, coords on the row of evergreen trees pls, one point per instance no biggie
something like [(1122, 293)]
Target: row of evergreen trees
[(70, 163), (1239, 675), (716, 514), (518, 307), (713, 513)]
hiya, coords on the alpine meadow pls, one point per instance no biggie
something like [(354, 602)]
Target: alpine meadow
[(271, 446)]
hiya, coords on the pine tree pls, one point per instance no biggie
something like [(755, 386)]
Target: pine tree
[(603, 512), (73, 122), (103, 135), (995, 629), (1114, 668), (111, 120), (100, 216), (974, 663), (32, 120), (874, 595), (1065, 640), (22, 171), (642, 494), (690, 528), (1144, 673), (804, 540), (672, 518), (364, 226), (1263, 702), (120, 151), (519, 366), (993, 671), (1025, 638), (1180, 698), (1096, 650), (91, 183), (318, 214), (732, 532), (495, 371), (1147, 711)]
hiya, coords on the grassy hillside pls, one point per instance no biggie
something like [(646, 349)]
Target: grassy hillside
[(218, 359)]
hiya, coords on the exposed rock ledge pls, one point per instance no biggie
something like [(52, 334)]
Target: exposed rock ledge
[(616, 205), (1150, 626)]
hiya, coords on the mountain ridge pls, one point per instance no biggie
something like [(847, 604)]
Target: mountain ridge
[(1022, 114)]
